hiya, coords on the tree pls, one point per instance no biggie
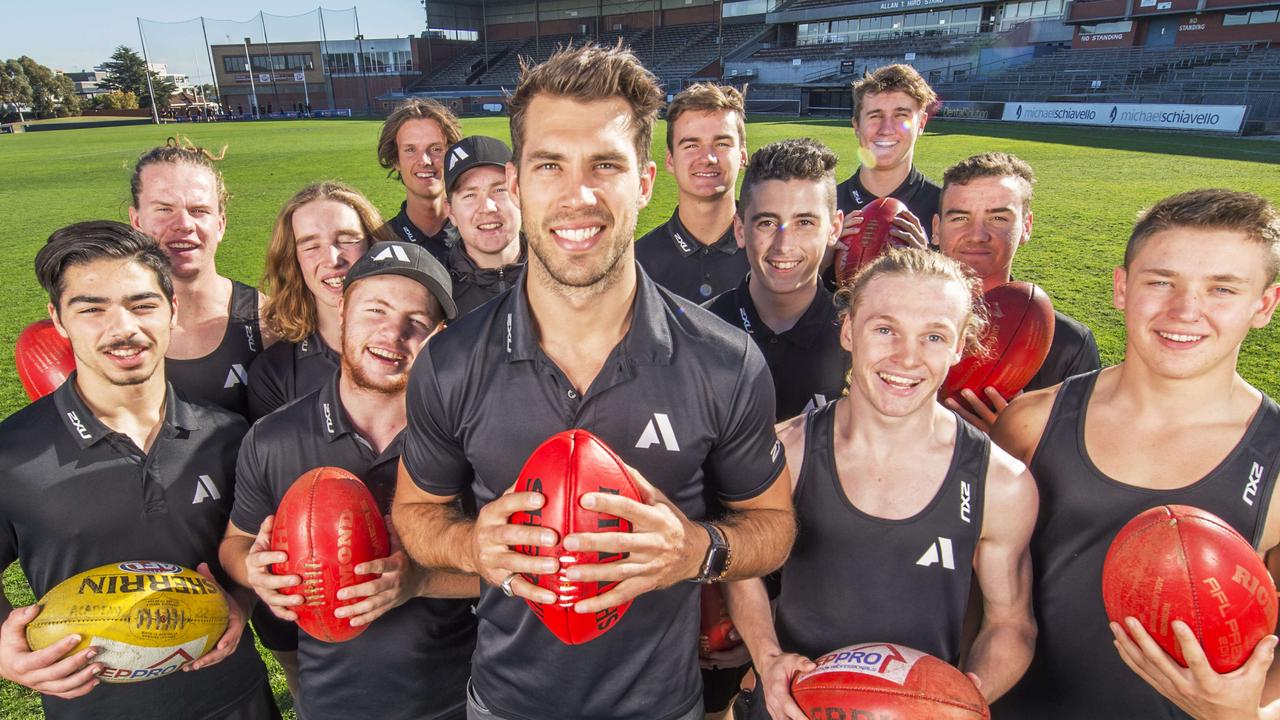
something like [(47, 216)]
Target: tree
[(52, 94), (15, 89), (127, 72), (115, 100)]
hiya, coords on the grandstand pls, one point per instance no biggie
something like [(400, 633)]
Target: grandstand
[(803, 54)]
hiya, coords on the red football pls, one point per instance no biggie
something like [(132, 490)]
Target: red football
[(1021, 330), (328, 523), (869, 239), (43, 358), (563, 469), (713, 632), (1177, 562), (885, 681)]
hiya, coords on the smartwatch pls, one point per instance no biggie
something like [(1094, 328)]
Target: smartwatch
[(716, 562)]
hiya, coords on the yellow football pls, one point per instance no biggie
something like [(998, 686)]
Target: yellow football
[(149, 618)]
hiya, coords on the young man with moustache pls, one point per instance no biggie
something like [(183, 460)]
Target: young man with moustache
[(889, 541), (411, 147), (115, 466), (984, 217), (319, 234), (1173, 423), (395, 297), (787, 221), (694, 254), (587, 340), (488, 253), (180, 200)]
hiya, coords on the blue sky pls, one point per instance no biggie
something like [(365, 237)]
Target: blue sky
[(77, 34)]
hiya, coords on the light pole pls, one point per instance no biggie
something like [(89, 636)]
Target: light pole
[(253, 88)]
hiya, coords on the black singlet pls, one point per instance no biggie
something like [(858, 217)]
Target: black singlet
[(1076, 672), (854, 577), (222, 377)]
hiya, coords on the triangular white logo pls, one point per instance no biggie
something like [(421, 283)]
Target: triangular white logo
[(658, 431), (458, 155), (205, 488), (237, 375), (392, 251), (940, 550)]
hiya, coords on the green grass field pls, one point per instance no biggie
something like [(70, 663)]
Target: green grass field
[(1092, 183)]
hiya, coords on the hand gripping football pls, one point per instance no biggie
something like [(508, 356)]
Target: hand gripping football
[(1177, 562), (566, 466), (43, 359), (715, 625), (328, 523), (1022, 327), (869, 239), (886, 681), (149, 618)]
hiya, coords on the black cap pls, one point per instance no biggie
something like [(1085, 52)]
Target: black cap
[(470, 152), (411, 261)]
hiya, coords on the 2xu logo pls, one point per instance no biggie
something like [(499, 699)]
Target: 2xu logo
[(563, 469)]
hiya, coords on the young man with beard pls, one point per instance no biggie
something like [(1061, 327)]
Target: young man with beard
[(180, 200), (412, 661), (985, 216), (319, 234), (889, 541), (694, 254), (487, 255), (587, 341), (115, 466), (787, 220), (411, 147), (1173, 423)]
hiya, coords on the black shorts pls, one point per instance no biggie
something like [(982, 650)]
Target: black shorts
[(720, 686), (258, 705), (276, 634)]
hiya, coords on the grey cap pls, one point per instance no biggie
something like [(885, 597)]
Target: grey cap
[(470, 152), (411, 261)]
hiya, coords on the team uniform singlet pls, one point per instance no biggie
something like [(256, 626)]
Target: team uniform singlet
[(222, 377), (1077, 672), (853, 577)]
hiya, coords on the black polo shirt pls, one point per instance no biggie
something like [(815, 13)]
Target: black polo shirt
[(677, 261), (807, 363), (412, 662), (403, 227), (74, 495), (1072, 352), (473, 285), (287, 371), (684, 398), (921, 196)]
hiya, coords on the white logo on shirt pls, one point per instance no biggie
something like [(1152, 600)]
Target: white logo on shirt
[(71, 415), (1251, 488), (746, 321), (964, 501), (457, 156), (328, 419), (248, 333), (680, 241), (237, 375), (392, 251), (508, 333), (931, 556), (773, 452), (660, 424), (205, 488), (815, 402)]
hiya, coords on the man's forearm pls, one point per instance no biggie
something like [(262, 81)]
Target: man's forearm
[(435, 535), (231, 553), (440, 583), (1000, 655), (759, 540), (748, 604)]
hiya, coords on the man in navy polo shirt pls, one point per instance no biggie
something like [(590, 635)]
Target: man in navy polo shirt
[(589, 341), (413, 659), (115, 466)]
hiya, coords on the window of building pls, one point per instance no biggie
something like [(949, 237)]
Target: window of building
[(1122, 26), (1235, 19), (1258, 17), (233, 63)]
